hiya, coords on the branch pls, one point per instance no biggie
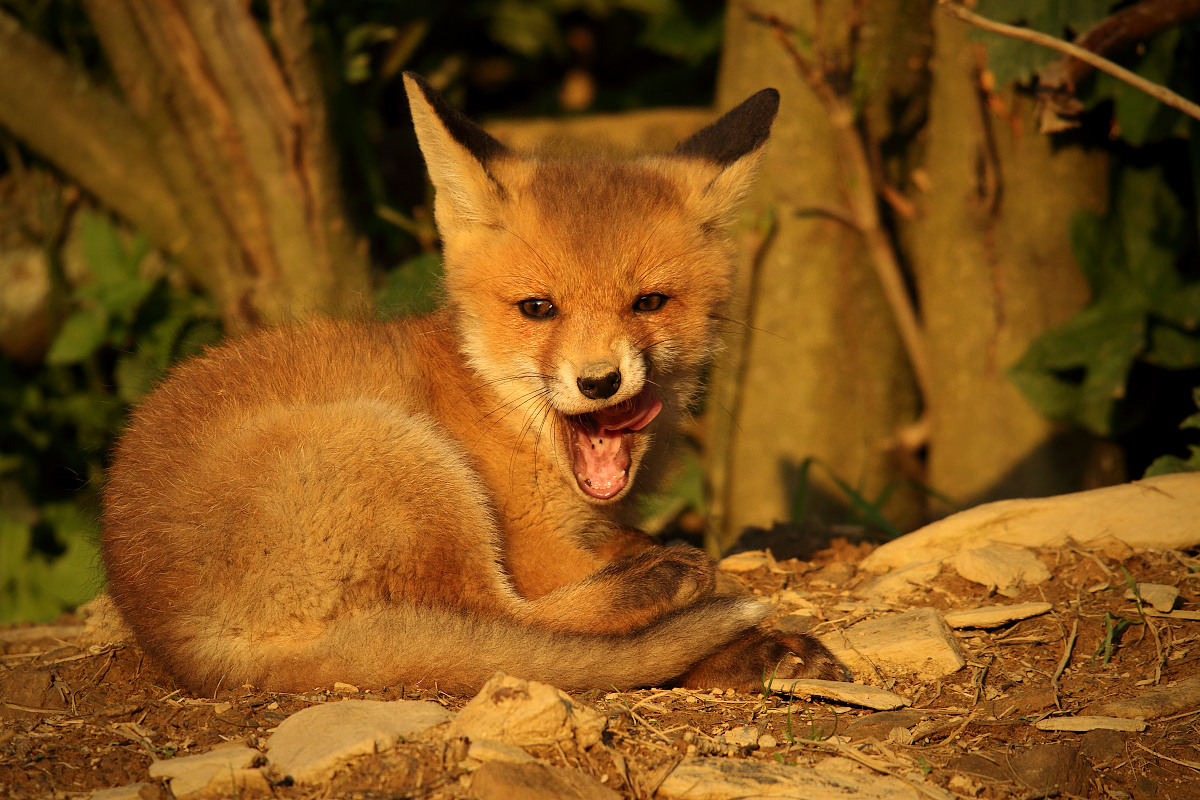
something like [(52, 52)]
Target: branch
[(1123, 29), (863, 194), (52, 107), (1160, 93)]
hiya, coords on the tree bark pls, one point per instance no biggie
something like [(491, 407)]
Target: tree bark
[(221, 139), (994, 269), (819, 370)]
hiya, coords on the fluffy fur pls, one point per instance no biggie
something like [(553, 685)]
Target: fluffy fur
[(434, 499)]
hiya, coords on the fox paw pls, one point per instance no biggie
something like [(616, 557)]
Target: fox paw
[(759, 655), (664, 578)]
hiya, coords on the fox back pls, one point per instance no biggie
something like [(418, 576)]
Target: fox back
[(438, 498)]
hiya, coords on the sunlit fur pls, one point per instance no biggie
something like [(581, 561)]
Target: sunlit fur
[(383, 503)]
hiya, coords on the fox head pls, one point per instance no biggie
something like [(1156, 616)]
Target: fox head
[(588, 291)]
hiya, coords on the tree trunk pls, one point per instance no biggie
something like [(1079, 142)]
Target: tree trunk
[(994, 269), (219, 149), (818, 371)]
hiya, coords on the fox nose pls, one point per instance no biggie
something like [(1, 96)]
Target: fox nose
[(599, 381)]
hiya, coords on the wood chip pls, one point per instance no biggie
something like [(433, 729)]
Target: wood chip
[(1082, 724), (852, 693), (994, 616)]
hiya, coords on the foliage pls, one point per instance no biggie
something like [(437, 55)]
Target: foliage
[(1140, 258), (1171, 463), (1142, 308), (122, 329)]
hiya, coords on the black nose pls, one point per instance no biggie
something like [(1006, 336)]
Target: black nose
[(599, 387)]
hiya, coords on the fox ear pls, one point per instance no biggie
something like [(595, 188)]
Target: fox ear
[(458, 154), (727, 153)]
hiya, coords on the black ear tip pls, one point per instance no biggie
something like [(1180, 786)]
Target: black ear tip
[(764, 102), (742, 130)]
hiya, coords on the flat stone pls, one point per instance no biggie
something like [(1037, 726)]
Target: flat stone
[(1156, 513), (502, 780), (312, 743), (522, 712), (1164, 701), (485, 750), (1160, 597), (742, 736), (132, 791), (916, 642), (225, 766), (900, 581), (881, 724), (853, 693), (1000, 565), (994, 616), (1083, 724), (744, 562), (729, 778)]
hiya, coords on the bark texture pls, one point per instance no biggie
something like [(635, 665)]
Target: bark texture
[(994, 269), (819, 370), (218, 148)]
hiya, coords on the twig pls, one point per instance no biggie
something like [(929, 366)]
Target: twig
[(1179, 761), (1066, 657), (1160, 93)]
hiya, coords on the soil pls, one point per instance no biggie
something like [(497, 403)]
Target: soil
[(77, 717)]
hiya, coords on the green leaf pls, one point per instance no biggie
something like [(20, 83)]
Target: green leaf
[(1078, 371), (1167, 465), (80, 336), (1012, 60), (1173, 348)]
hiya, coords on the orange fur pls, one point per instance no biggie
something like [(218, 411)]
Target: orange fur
[(438, 498)]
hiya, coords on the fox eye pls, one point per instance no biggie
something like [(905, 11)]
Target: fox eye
[(650, 302), (537, 308)]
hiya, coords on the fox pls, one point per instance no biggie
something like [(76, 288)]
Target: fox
[(426, 501)]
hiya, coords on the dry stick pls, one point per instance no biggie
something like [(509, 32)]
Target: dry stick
[(1066, 657), (863, 196), (1160, 93), (1179, 761)]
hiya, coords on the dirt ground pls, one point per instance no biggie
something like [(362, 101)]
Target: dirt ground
[(79, 718)]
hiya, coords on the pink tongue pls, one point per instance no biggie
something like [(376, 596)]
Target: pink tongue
[(601, 452)]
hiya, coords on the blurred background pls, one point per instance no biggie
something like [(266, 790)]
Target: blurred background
[(969, 271)]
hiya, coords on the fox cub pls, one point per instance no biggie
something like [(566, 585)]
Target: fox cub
[(434, 499)]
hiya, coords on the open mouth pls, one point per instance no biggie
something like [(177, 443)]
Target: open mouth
[(601, 443)]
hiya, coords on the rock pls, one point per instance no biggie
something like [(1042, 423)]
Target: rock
[(225, 767), (881, 724), (745, 562), (1000, 565), (914, 642), (1053, 769), (1161, 702), (522, 712), (994, 616), (1103, 744), (133, 791), (1156, 513), (742, 736), (485, 750), (502, 780), (853, 693), (23, 693), (311, 743), (899, 582), (1161, 598), (729, 778), (1082, 724)]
